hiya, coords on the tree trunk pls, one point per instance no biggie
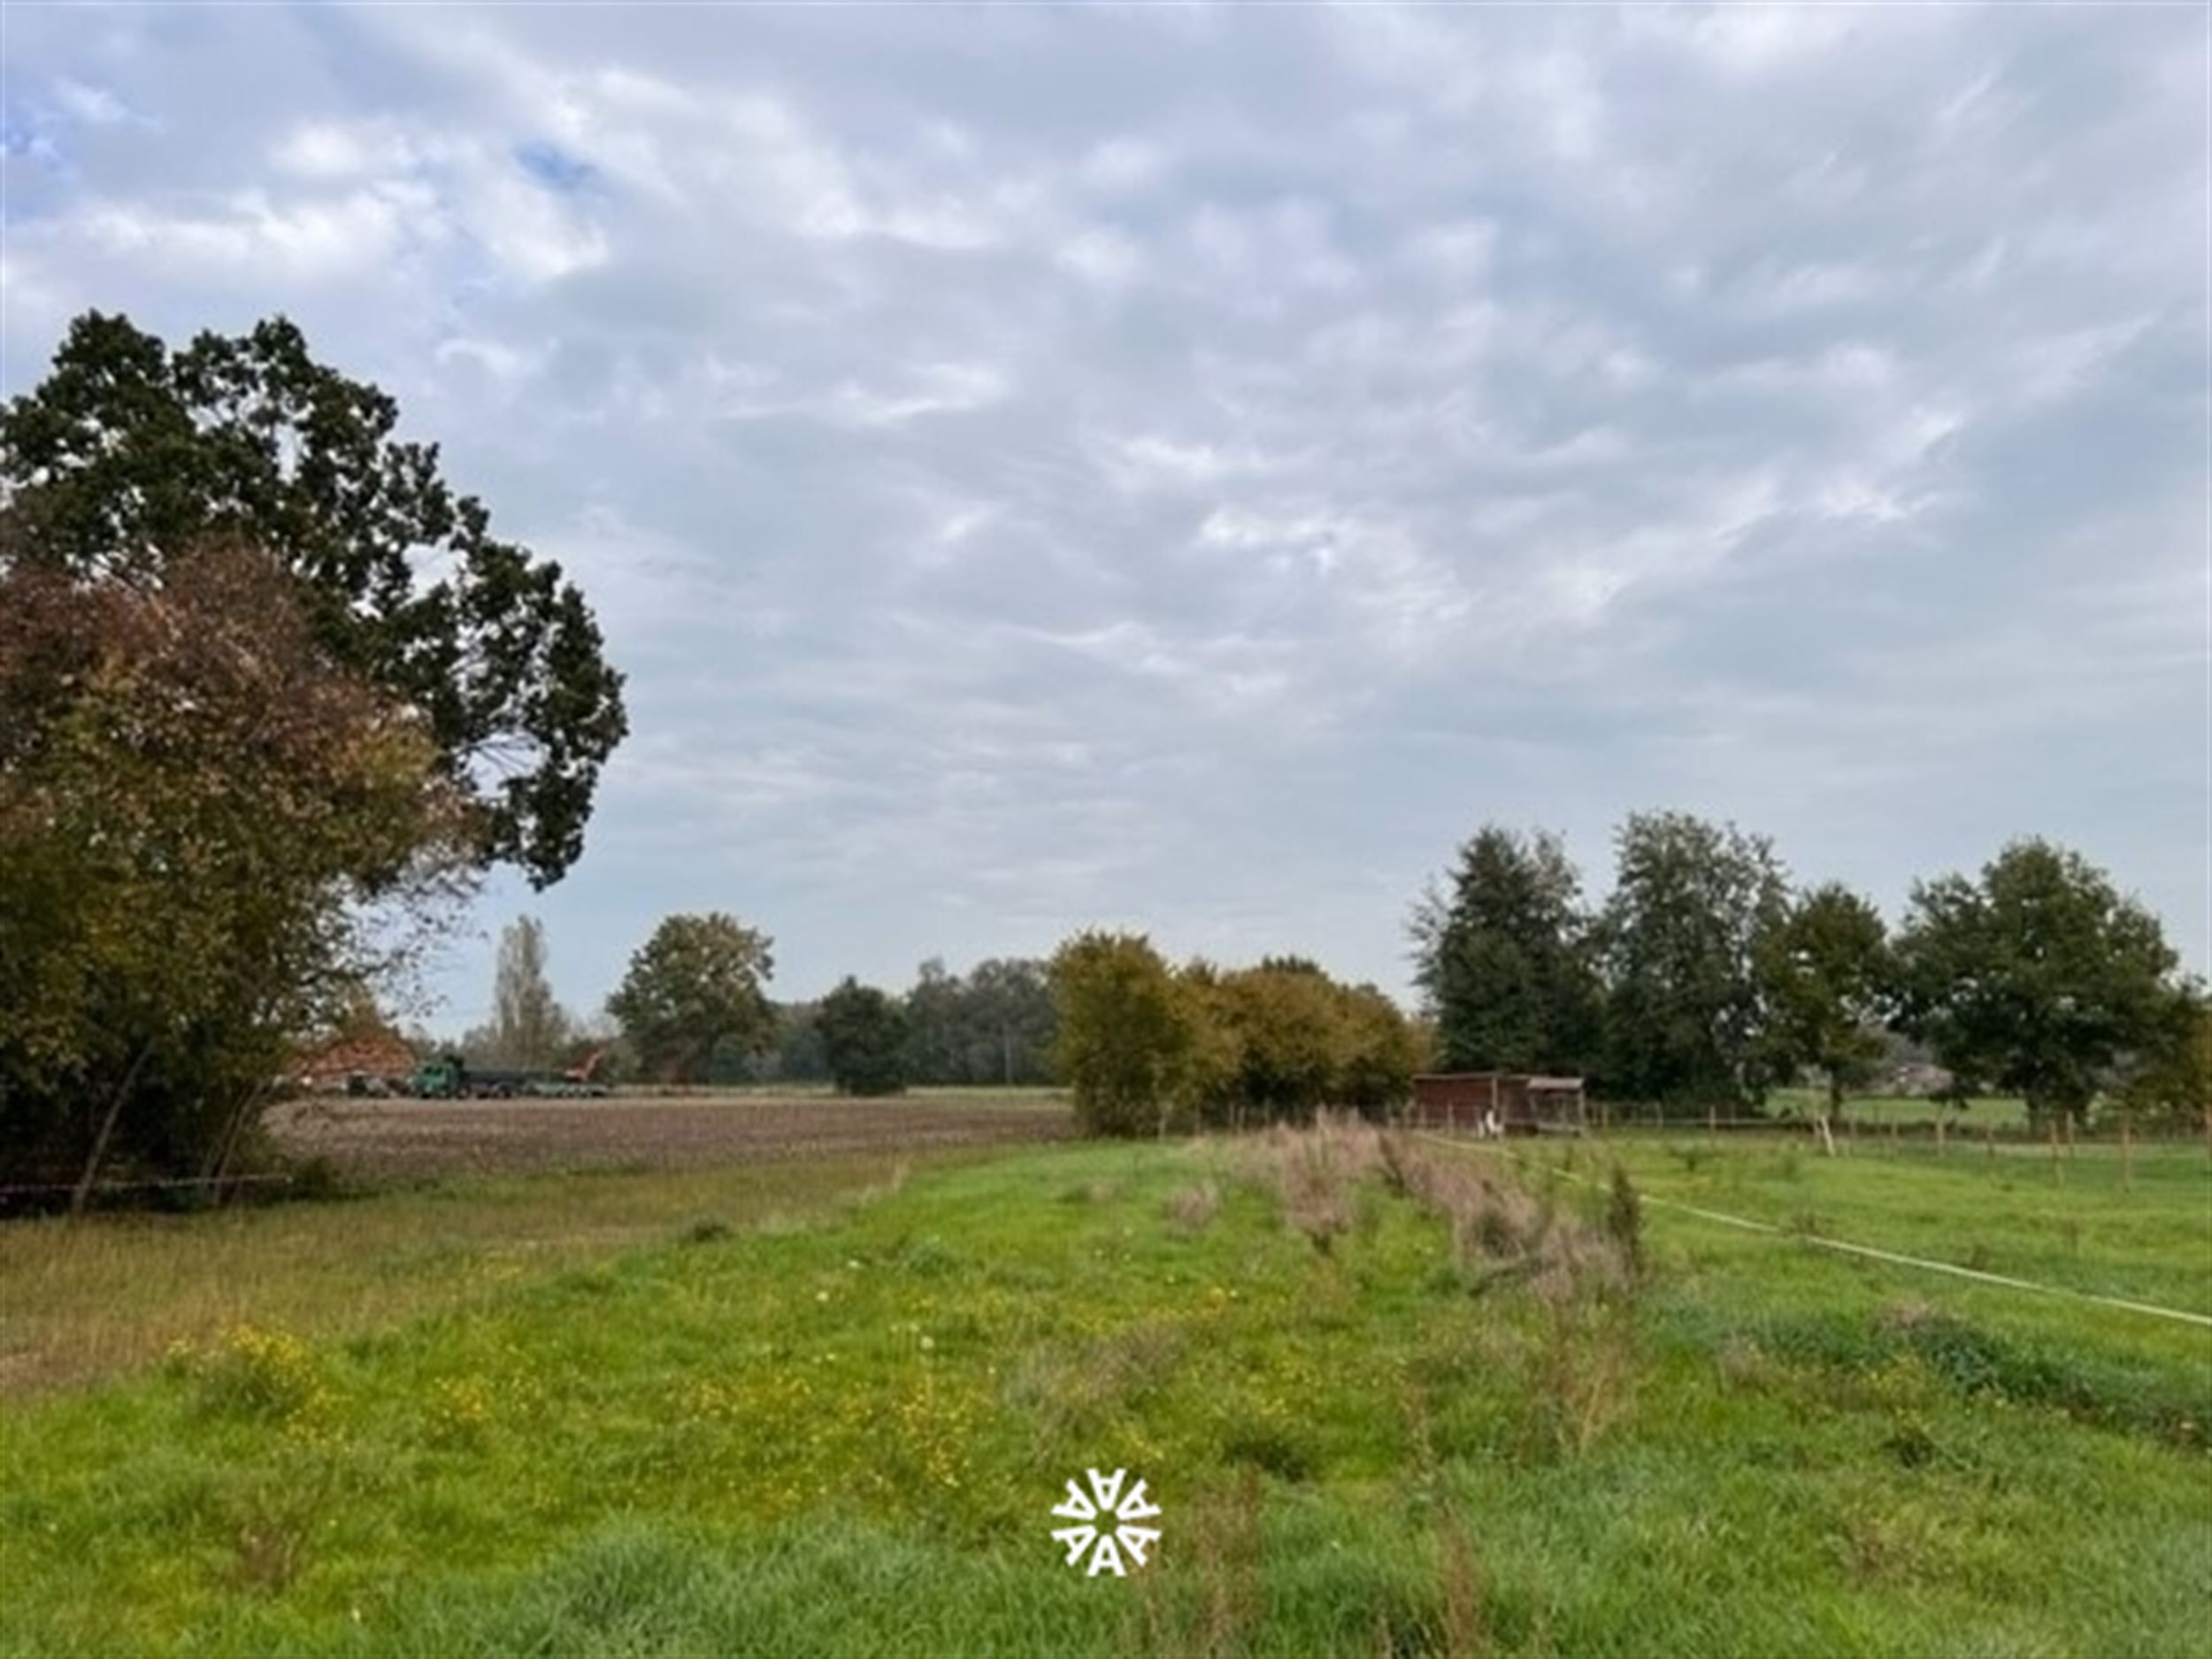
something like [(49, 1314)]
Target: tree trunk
[(249, 1106), (78, 1198)]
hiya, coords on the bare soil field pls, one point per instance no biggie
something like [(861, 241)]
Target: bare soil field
[(383, 1140)]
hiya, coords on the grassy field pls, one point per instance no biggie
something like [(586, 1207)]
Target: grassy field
[(1875, 1111), (80, 1305), (800, 1411)]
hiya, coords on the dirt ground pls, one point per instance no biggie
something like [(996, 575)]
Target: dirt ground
[(405, 1140)]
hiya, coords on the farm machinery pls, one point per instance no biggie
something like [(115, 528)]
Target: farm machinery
[(449, 1077)]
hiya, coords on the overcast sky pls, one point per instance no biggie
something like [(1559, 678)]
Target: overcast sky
[(1185, 469)]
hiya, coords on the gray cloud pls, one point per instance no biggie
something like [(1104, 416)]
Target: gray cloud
[(1184, 468)]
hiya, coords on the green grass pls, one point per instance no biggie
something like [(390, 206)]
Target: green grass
[(2084, 1221), (1874, 1111), (80, 1303), (845, 1437)]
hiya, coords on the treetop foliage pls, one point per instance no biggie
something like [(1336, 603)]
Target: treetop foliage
[(1828, 977), (863, 1036), (2037, 979), (1504, 957), (1145, 1047), (694, 986), (129, 454), (1703, 979)]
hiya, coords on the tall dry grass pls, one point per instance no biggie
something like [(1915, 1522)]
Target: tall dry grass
[(1580, 1363)]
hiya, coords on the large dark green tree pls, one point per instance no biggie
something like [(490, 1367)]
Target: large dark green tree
[(2037, 979), (1826, 973), (693, 990), (863, 1040), (1502, 958), (129, 454), (1678, 935)]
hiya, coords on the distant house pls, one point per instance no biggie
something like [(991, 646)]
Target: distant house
[(329, 1067), (1521, 1104)]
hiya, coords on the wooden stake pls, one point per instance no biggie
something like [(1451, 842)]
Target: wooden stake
[(2058, 1172), (1938, 1124), (2127, 1152)]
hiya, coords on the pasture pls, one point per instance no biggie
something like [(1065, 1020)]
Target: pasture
[(825, 1406)]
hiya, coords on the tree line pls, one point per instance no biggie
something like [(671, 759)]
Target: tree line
[(1707, 978), (1148, 1049), (1144, 1047), (692, 1008)]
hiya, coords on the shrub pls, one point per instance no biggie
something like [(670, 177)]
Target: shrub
[(1190, 1209), (1317, 1172)]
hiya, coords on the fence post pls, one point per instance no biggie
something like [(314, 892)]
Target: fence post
[(1989, 1141), (2058, 1171), (2127, 1152), (1938, 1124)]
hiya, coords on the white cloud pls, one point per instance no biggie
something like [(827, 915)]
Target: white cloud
[(248, 235), (1184, 469), (95, 106)]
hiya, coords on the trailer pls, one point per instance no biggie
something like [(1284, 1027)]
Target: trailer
[(450, 1077)]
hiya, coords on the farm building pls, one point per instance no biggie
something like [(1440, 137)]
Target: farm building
[(328, 1066), (1524, 1104)]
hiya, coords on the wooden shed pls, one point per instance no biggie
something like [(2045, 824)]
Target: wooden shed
[(1524, 1104)]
